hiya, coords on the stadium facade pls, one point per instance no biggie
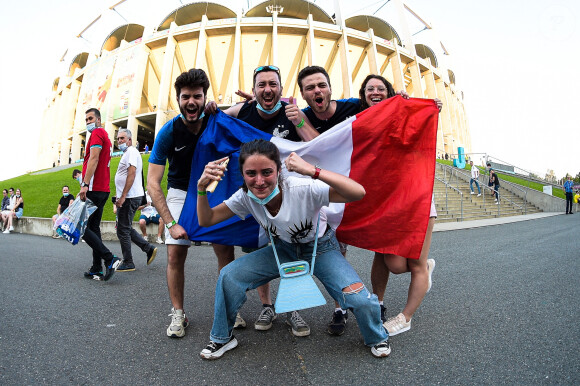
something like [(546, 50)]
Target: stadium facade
[(131, 79)]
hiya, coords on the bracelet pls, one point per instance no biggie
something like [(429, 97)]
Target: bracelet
[(172, 223), (202, 193), (300, 124), (316, 173)]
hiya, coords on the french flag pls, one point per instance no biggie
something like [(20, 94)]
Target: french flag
[(388, 148)]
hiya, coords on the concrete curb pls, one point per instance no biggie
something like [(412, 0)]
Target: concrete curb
[(453, 226)]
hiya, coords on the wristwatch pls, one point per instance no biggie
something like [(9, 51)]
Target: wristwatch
[(84, 184)]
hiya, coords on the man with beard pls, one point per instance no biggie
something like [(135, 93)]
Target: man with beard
[(176, 143), (269, 114)]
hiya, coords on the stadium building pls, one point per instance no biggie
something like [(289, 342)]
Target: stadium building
[(130, 79)]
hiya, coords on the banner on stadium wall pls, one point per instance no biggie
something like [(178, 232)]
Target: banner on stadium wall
[(96, 86), (127, 62)]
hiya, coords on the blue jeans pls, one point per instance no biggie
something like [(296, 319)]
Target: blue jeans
[(331, 268), (471, 181)]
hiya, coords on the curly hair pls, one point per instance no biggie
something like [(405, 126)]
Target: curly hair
[(195, 77)]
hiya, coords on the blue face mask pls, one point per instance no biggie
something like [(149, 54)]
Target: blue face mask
[(91, 127), (274, 109), (265, 200), (123, 147), (65, 194)]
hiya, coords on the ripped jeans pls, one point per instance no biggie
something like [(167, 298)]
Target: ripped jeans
[(331, 268)]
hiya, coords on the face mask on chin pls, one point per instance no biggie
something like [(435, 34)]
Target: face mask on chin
[(65, 194), (274, 109), (123, 147), (91, 127), (265, 200)]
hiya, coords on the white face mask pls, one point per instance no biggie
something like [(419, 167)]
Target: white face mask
[(123, 147), (91, 127)]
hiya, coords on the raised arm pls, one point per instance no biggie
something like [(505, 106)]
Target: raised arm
[(207, 216), (342, 189), (298, 118)]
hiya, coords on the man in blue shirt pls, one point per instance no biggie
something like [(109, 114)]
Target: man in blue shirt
[(569, 194), (176, 143)]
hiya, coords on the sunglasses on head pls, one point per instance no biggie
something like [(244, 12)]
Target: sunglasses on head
[(266, 68)]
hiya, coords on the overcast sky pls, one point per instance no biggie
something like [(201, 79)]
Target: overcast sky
[(516, 62)]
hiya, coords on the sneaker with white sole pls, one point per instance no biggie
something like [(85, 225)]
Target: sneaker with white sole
[(240, 322), (299, 326), (111, 267), (215, 350), (479, 195), (430, 268), (178, 324), (11, 229), (381, 350), (159, 240), (397, 325), (472, 193), (267, 316)]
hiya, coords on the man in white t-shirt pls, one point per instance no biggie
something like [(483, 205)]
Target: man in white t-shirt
[(129, 184), (474, 178)]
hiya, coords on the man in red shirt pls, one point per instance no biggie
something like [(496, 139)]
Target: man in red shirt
[(95, 187)]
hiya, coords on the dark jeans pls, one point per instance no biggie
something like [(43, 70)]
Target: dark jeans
[(569, 197), (125, 231), (92, 234)]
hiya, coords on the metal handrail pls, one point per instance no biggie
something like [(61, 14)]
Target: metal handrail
[(455, 172), (458, 191)]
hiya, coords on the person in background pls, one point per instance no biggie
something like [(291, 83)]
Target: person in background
[(16, 212), (129, 184), (474, 178), (568, 188), (150, 215), (63, 203)]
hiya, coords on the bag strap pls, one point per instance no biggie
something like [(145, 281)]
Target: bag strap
[(313, 250)]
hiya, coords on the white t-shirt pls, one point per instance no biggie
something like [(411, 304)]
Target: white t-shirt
[(149, 210), (302, 199), (131, 157), (474, 172)]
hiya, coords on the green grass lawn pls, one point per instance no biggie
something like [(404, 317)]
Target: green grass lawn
[(42, 192), (513, 179)]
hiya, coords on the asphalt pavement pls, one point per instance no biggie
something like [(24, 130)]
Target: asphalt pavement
[(504, 309)]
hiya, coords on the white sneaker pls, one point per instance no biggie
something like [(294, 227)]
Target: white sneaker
[(430, 267), (397, 325), (471, 193), (497, 202), (479, 195), (240, 322), (178, 324), (215, 350), (159, 240), (6, 231), (11, 229), (381, 350)]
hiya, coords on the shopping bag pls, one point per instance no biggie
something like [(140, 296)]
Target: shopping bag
[(71, 224), (297, 289)]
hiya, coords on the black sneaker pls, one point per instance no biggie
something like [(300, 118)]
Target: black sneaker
[(381, 350), (93, 273), (110, 267), (151, 255), (126, 267), (215, 350), (338, 324), (383, 313)]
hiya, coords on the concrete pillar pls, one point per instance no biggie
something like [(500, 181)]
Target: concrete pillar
[(397, 66), (344, 58), (444, 116), (274, 59), (310, 42), (236, 61), (201, 44), (165, 81), (404, 28), (372, 53), (416, 78)]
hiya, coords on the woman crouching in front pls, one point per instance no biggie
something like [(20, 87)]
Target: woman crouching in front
[(289, 208)]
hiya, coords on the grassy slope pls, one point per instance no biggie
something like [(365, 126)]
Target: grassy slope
[(516, 180), (42, 192)]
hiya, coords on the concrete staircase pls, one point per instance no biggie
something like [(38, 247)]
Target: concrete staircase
[(448, 202)]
